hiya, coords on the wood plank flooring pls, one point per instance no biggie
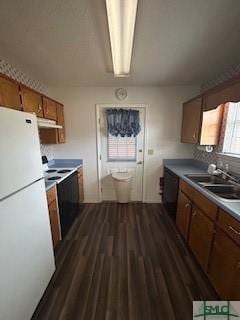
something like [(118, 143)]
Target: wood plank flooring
[(123, 261)]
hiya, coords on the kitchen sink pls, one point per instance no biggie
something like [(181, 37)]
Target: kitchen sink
[(221, 188), (231, 192), (207, 179)]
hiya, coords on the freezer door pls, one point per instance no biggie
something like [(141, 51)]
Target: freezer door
[(20, 156), (26, 252)]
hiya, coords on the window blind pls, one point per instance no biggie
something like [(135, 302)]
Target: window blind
[(121, 148), (232, 132)]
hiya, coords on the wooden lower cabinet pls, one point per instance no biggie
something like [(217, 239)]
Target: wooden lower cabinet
[(183, 214), (201, 234), (80, 185), (54, 215), (224, 268), (213, 236)]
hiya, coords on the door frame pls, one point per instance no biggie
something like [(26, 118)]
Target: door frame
[(98, 136)]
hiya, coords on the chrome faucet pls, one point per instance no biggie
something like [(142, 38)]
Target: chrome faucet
[(233, 178)]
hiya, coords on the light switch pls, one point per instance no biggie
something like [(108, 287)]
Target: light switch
[(150, 152)]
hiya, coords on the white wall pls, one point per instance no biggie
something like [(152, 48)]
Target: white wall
[(163, 129)]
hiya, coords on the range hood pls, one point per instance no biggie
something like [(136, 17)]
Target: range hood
[(48, 124)]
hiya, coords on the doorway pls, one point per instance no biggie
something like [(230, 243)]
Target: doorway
[(120, 154)]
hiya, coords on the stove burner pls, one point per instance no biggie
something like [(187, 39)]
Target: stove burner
[(51, 171), (64, 171), (54, 178)]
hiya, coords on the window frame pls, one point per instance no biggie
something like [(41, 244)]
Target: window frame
[(229, 131)]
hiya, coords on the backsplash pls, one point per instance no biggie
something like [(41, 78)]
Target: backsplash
[(214, 157), (47, 150), (229, 74), (12, 72)]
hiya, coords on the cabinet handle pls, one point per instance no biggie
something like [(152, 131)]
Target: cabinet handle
[(234, 230), (194, 213), (39, 108), (46, 110), (238, 265), (187, 205), (194, 137)]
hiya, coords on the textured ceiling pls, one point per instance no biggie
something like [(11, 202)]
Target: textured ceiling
[(66, 42)]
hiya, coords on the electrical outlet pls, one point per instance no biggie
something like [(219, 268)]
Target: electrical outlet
[(150, 152)]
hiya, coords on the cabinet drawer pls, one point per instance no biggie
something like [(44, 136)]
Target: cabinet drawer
[(186, 188), (207, 206), (230, 225), (51, 195)]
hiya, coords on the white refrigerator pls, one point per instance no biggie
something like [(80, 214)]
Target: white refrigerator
[(26, 251)]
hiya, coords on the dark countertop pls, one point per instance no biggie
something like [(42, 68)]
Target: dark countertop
[(182, 167), (65, 163)]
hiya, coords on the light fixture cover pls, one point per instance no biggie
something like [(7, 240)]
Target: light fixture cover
[(121, 22)]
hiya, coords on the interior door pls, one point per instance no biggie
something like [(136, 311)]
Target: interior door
[(133, 166)]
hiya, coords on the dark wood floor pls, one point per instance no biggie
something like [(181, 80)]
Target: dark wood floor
[(123, 262)]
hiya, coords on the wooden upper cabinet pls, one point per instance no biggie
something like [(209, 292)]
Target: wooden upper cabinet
[(200, 125), (49, 109), (229, 92), (9, 93), (60, 121), (183, 214), (200, 236), (31, 101), (224, 268), (191, 120)]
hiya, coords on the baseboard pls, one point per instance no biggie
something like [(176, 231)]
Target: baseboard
[(152, 201)]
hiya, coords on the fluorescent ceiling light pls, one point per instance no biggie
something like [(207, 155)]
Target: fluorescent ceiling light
[(121, 22)]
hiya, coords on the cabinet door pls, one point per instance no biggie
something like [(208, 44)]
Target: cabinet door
[(32, 101), (200, 236), (9, 94), (60, 121), (49, 109), (191, 120), (54, 222), (224, 269), (80, 184), (211, 126), (183, 214)]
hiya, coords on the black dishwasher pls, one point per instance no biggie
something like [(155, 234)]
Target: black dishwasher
[(68, 202), (170, 192)]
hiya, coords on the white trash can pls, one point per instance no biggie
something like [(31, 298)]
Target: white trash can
[(122, 183)]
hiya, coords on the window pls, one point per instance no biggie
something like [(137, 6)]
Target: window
[(121, 148), (232, 132)]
